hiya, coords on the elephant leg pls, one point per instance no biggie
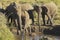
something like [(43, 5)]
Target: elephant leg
[(32, 17), (19, 25), (30, 12), (25, 24), (33, 20), (51, 22), (43, 17), (49, 19), (8, 21), (16, 24), (52, 17), (11, 20)]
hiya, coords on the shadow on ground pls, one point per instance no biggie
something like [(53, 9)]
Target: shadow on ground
[(55, 31)]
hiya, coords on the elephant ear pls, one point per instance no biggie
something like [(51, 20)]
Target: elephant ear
[(26, 6)]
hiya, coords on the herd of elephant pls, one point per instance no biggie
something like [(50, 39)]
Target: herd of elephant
[(23, 17)]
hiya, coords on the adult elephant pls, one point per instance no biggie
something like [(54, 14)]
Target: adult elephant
[(38, 9), (50, 10), (22, 11), (11, 13)]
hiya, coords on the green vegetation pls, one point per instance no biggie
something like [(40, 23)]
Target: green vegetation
[(5, 33)]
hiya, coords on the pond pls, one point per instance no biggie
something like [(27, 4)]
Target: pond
[(37, 37)]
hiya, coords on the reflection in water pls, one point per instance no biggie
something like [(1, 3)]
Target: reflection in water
[(37, 37), (22, 34)]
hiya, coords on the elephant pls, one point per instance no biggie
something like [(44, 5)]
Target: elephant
[(25, 20), (38, 9), (18, 15), (50, 10), (11, 13)]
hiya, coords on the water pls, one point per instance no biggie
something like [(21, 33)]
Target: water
[(35, 38), (49, 37), (57, 38)]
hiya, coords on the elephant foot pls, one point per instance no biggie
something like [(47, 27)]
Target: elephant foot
[(18, 32), (51, 24), (47, 22), (44, 25)]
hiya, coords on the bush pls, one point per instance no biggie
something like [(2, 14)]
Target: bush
[(5, 33)]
